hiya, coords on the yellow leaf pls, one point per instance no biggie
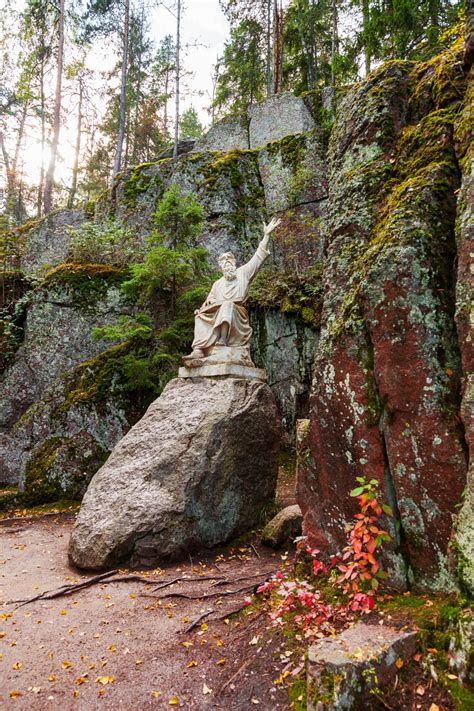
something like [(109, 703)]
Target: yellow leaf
[(15, 694), (105, 680), (399, 663), (185, 619), (191, 664), (221, 662), (155, 694), (227, 621), (434, 707), (2, 635), (92, 666), (66, 664), (112, 648), (451, 676), (219, 643), (81, 680), (186, 644), (132, 596), (63, 612), (204, 627), (17, 665), (51, 677), (75, 693), (138, 661), (174, 701), (101, 692)]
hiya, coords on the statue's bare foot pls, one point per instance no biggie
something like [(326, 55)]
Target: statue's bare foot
[(197, 353), (220, 342)]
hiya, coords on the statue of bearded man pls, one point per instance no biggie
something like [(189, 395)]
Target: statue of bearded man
[(222, 330)]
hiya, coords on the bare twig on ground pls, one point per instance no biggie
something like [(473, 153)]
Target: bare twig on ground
[(230, 581), (38, 517), (167, 583), (103, 579), (234, 676), (246, 588), (64, 589), (254, 550), (196, 622)]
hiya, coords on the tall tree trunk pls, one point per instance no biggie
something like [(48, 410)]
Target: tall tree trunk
[(8, 170), (165, 106), (49, 179), (123, 91), (178, 47), (277, 46), (366, 29), (269, 48), (334, 46), (77, 147), (39, 201), (19, 208), (138, 100)]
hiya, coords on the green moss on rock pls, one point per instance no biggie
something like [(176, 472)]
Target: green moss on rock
[(88, 283), (61, 469)]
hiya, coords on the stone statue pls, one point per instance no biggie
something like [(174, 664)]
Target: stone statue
[(222, 331)]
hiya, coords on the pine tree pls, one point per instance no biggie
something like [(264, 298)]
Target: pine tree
[(190, 125), (242, 79)]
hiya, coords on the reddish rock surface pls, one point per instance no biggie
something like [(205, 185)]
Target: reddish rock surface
[(386, 384)]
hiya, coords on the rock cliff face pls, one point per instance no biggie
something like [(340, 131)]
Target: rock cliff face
[(366, 294), (65, 399), (388, 371)]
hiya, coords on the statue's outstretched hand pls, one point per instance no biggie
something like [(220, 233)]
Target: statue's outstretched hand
[(274, 222)]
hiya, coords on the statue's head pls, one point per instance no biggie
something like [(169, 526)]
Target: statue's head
[(228, 266)]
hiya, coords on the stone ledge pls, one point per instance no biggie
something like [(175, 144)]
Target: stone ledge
[(223, 369), (343, 670)]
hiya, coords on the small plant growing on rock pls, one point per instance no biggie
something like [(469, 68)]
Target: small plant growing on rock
[(360, 570), (352, 578)]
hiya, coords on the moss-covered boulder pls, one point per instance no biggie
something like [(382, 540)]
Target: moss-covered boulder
[(293, 171), (56, 446), (57, 332)]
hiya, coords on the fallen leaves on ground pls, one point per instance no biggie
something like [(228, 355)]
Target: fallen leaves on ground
[(105, 680)]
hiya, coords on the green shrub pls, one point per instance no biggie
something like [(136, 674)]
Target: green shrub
[(107, 242)]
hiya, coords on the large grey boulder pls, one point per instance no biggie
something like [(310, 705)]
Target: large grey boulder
[(196, 470), (48, 244), (229, 134), (277, 117)]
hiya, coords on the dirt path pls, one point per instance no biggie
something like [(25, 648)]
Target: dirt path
[(109, 646)]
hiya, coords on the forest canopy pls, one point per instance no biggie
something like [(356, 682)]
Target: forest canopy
[(69, 124)]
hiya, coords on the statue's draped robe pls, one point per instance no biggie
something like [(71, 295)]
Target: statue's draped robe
[(228, 297)]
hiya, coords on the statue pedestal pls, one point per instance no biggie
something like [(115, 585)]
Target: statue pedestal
[(213, 370)]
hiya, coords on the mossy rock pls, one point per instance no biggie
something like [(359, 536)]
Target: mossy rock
[(62, 468)]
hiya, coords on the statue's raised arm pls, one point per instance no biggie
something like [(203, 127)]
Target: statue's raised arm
[(222, 331)]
